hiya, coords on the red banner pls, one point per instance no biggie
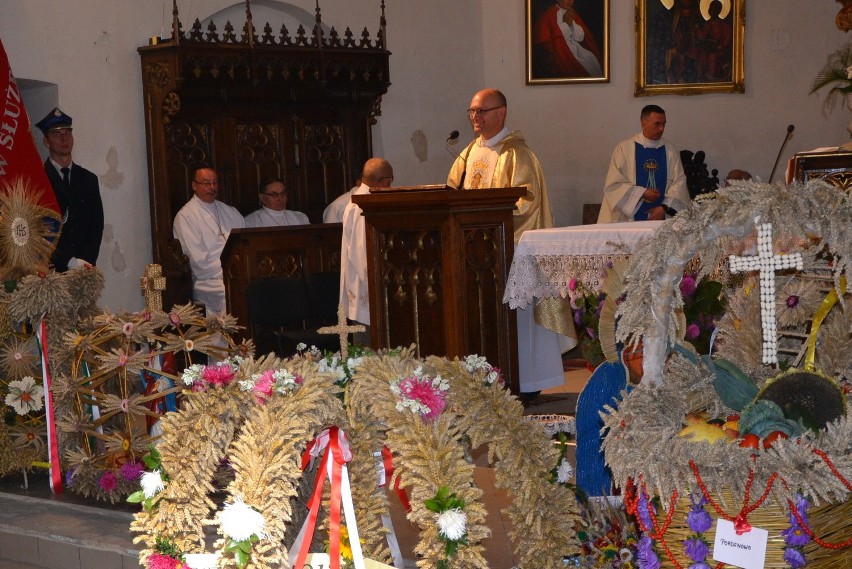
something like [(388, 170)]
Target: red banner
[(19, 158)]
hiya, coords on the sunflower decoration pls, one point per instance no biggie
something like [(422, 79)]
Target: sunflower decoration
[(29, 435), (796, 301), (18, 356), (26, 237)]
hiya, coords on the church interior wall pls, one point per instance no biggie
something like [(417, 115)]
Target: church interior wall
[(443, 51)]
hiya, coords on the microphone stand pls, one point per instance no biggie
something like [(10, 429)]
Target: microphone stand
[(780, 150)]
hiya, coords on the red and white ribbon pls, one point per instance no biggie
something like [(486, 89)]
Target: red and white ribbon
[(333, 447), (50, 412)]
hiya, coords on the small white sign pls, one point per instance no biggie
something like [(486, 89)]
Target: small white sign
[(747, 550)]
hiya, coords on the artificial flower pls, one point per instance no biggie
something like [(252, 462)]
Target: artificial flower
[(698, 519), (692, 331), (688, 286), (108, 481), (152, 483), (28, 435), (421, 394), (160, 561), (452, 524), (18, 357), (696, 549), (794, 557), (131, 471), (565, 472), (648, 558), (25, 395), (240, 522)]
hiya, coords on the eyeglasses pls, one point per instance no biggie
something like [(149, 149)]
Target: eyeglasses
[(275, 194), (479, 112), (206, 183)]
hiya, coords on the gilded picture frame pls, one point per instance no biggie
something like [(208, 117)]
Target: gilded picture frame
[(551, 25), (689, 47)]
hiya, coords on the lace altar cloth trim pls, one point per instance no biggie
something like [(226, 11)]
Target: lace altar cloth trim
[(546, 260), (553, 424)]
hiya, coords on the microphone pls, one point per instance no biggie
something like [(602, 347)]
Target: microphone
[(452, 139), (790, 129), (454, 136)]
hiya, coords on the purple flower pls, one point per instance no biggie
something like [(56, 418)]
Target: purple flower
[(795, 536), (794, 557), (692, 331), (69, 476), (645, 553), (108, 481), (696, 549), (578, 317), (644, 513), (131, 471), (698, 519), (792, 301), (591, 333), (688, 286)]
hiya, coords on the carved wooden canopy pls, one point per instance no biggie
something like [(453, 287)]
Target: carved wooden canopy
[(255, 106)]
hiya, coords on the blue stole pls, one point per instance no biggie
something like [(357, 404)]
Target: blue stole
[(651, 170)]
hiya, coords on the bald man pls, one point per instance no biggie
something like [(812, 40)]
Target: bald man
[(498, 158), (354, 295)]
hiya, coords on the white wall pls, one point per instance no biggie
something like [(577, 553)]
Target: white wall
[(443, 51)]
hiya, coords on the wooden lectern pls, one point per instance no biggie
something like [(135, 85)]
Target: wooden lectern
[(438, 263), (262, 252)]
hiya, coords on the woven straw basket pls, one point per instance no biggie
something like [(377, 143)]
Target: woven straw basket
[(832, 523)]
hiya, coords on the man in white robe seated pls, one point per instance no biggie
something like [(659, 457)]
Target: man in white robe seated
[(202, 226), (653, 189), (273, 211)]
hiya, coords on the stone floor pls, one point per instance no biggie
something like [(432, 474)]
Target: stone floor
[(39, 530)]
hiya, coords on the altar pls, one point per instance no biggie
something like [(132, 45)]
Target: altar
[(546, 260)]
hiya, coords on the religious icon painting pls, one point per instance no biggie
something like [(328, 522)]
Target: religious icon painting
[(567, 41), (689, 47)]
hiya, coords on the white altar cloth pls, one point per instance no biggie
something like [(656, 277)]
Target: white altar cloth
[(546, 260)]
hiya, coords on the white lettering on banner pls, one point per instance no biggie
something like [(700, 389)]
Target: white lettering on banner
[(747, 550), (11, 113)]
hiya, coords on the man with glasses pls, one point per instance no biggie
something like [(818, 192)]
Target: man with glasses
[(202, 226), (354, 295), (273, 211), (498, 158), (78, 194)]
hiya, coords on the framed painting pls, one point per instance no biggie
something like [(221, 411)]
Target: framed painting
[(688, 47), (567, 41)]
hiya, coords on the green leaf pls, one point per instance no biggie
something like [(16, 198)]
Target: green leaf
[(242, 558), (137, 497), (432, 505)]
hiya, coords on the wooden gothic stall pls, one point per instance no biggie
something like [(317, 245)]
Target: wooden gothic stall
[(256, 106)]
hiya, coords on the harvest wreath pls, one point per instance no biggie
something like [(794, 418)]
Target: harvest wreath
[(260, 415), (806, 454)]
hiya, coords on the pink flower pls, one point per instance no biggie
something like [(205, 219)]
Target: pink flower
[(422, 391), (688, 286), (174, 318), (263, 386), (221, 374), (108, 481), (572, 284), (131, 471), (160, 561), (692, 331)]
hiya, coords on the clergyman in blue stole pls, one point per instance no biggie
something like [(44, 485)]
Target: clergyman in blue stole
[(651, 172)]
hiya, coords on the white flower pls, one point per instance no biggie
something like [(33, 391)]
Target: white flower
[(192, 374), (25, 395), (565, 472), (300, 347), (474, 362), (152, 483), (452, 524), (239, 521)]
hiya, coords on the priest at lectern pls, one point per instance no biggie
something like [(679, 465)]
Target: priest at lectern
[(498, 158)]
